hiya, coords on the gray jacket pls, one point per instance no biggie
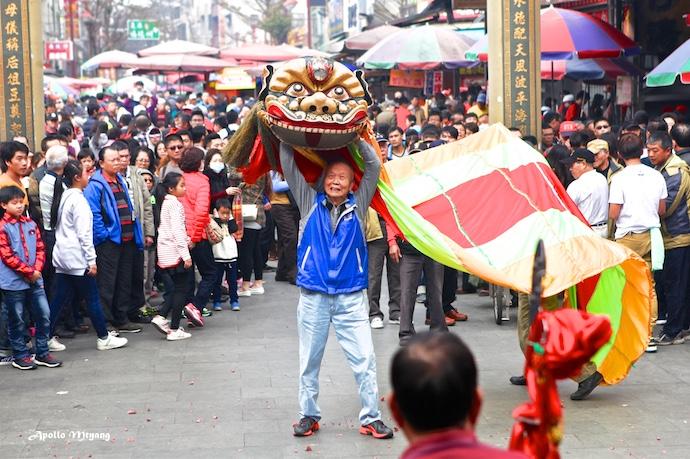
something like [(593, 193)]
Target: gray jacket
[(143, 210)]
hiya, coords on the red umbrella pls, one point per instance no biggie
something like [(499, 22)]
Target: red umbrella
[(268, 53), (179, 47), (109, 59), (182, 63), (368, 38)]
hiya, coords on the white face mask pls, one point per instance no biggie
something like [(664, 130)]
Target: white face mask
[(216, 167)]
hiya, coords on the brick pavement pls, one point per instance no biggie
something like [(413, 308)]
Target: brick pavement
[(230, 391)]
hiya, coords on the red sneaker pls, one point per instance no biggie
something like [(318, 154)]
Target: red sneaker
[(305, 427), (457, 315)]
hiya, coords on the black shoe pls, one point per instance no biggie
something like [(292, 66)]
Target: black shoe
[(305, 427), (47, 361), (587, 386), (129, 327), (518, 380), (65, 334), (26, 363), (140, 319), (377, 429)]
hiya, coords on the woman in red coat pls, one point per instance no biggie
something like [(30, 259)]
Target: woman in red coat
[(196, 207)]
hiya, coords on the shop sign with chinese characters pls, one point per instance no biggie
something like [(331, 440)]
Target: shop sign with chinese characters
[(16, 71), (520, 20)]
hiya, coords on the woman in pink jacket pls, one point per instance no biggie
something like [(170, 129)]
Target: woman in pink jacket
[(196, 206)]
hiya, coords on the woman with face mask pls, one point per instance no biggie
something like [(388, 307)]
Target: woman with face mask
[(217, 174)]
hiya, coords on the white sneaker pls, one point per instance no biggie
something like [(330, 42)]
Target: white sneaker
[(161, 324), (660, 322), (376, 323), (176, 335), (652, 346), (55, 346), (244, 292), (111, 342), (256, 290)]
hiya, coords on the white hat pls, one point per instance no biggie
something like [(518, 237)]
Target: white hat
[(568, 98)]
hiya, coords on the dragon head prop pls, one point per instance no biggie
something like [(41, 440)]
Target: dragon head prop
[(317, 105), (314, 102)]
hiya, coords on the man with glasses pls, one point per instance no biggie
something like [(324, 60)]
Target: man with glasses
[(603, 162), (175, 147), (601, 127)]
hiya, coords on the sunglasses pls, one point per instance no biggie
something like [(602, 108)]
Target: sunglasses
[(176, 147)]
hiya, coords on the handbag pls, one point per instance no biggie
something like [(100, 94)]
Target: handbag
[(213, 232), (249, 212)]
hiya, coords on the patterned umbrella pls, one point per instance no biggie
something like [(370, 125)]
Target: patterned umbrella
[(678, 63), (567, 34), (419, 48), (587, 69)]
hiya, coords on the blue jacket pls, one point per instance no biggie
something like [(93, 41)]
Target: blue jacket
[(106, 221), (21, 251), (332, 262)]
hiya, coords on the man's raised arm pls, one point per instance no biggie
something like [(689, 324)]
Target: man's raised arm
[(302, 192)]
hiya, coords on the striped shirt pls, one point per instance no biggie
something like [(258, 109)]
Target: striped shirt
[(171, 246), (123, 210)]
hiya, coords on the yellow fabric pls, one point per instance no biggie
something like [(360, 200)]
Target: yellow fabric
[(628, 347), (279, 198), (373, 230)]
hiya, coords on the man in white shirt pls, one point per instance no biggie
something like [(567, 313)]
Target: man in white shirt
[(589, 190), (637, 198)]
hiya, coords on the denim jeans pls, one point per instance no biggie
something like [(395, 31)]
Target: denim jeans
[(67, 287), (229, 270), (350, 318), (4, 327), (17, 300)]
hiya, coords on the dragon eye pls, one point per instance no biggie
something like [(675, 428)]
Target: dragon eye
[(338, 93), (296, 90)]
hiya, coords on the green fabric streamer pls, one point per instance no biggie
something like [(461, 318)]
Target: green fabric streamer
[(607, 300)]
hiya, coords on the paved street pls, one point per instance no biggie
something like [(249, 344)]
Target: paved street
[(230, 391)]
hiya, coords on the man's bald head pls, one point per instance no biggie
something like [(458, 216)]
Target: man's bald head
[(434, 381)]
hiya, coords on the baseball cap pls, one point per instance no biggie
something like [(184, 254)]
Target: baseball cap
[(481, 98), (580, 154), (52, 117), (597, 145), (380, 138), (568, 98), (567, 128)]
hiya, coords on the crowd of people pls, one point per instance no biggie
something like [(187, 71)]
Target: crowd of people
[(129, 199)]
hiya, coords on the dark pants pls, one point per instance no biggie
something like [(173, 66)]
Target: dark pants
[(378, 253), (33, 299), (267, 238), (286, 218), (410, 269), (138, 296), (202, 255), (115, 265), (450, 287), (176, 283), (250, 255), (675, 277), (67, 288), (48, 269), (229, 271)]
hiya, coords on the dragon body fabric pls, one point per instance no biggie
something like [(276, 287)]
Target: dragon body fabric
[(480, 204)]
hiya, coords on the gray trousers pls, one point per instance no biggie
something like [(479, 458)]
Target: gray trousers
[(410, 269), (378, 253)]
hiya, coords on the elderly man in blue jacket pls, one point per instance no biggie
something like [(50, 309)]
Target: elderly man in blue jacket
[(117, 237), (332, 276)]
